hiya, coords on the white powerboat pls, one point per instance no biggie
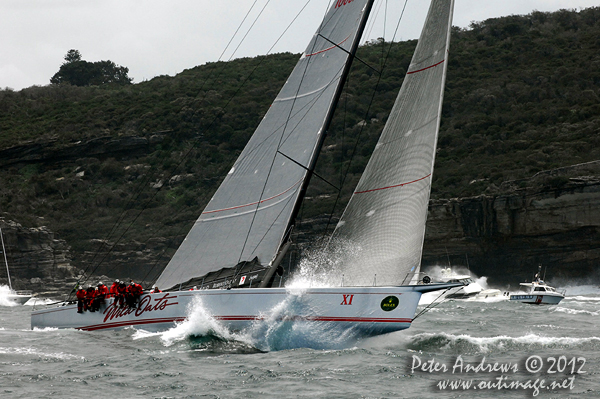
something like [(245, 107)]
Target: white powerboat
[(538, 293)]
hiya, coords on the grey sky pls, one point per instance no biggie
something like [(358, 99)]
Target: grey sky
[(153, 37)]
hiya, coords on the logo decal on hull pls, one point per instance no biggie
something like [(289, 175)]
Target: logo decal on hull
[(389, 303), (145, 305)]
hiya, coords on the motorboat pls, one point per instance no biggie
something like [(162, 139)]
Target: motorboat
[(538, 293)]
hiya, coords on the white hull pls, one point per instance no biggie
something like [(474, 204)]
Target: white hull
[(357, 308), (538, 299), (21, 299)]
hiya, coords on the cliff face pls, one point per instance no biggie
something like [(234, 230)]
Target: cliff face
[(506, 237), (37, 260)]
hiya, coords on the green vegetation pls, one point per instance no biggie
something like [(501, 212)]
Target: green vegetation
[(522, 96), (77, 72)]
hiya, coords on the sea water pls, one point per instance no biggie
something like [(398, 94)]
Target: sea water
[(467, 349)]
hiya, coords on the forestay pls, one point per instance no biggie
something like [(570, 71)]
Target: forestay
[(385, 219), (251, 211)]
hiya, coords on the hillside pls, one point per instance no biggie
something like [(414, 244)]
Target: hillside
[(125, 170)]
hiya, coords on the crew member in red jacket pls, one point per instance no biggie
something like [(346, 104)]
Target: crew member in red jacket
[(121, 294), (100, 298), (80, 299), (134, 292), (89, 298), (113, 288)]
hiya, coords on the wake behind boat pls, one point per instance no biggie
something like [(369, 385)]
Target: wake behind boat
[(234, 250)]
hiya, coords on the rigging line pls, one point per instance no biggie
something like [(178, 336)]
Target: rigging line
[(275, 154), (288, 231), (384, 30), (272, 164), (196, 140), (138, 190), (249, 29), (433, 304), (345, 174), (237, 30), (119, 220), (347, 52), (306, 169), (215, 118)]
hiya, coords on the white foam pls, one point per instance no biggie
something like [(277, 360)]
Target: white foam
[(320, 268), (198, 322), (28, 351), (485, 344), (4, 301), (575, 311), (582, 298)]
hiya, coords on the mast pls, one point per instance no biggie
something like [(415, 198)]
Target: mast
[(319, 145), (5, 260)]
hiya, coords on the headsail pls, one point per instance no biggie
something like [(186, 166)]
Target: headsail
[(250, 213), (385, 218)]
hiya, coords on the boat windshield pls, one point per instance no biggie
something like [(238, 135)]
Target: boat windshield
[(465, 281)]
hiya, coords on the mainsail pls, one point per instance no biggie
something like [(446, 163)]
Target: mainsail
[(251, 212), (385, 219)]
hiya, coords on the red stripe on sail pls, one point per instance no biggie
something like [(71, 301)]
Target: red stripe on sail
[(431, 66), (397, 185), (328, 48), (253, 203)]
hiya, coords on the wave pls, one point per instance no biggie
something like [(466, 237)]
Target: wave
[(582, 298), (575, 311), (274, 331), (35, 352), (4, 301), (466, 344)]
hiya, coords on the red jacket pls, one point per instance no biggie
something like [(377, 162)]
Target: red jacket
[(135, 289), (90, 293), (121, 289), (102, 290), (113, 288), (81, 293)]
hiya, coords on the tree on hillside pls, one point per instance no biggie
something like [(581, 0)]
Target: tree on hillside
[(78, 72)]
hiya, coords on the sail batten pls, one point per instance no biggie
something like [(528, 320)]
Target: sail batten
[(251, 212)]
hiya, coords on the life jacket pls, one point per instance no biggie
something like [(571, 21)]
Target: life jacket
[(90, 293), (81, 293)]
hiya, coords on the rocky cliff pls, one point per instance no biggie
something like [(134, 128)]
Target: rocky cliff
[(506, 237), (37, 259)]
